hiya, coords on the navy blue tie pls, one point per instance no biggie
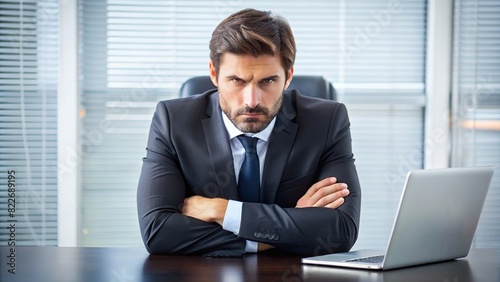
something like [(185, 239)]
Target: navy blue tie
[(249, 179)]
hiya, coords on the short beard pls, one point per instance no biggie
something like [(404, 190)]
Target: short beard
[(252, 125)]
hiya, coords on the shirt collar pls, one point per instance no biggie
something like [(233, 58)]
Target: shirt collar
[(234, 131)]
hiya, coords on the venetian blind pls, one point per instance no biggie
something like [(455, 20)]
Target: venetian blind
[(135, 53), (476, 102), (28, 135)]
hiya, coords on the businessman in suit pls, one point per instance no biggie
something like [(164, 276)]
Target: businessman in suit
[(204, 190)]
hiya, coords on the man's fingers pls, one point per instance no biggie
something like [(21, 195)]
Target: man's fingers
[(337, 203), (320, 184), (330, 192), (323, 194), (328, 199)]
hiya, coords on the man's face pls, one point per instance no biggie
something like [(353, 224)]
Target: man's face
[(250, 89)]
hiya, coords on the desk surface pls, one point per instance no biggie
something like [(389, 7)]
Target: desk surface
[(130, 264)]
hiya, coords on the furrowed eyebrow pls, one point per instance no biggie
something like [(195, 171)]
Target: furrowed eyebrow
[(274, 77), (234, 77)]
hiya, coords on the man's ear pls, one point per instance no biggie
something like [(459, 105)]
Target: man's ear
[(289, 78), (213, 72)]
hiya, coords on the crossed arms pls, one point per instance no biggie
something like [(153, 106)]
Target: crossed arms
[(178, 216), (326, 193)]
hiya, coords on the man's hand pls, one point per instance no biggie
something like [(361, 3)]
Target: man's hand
[(264, 247), (325, 193), (206, 209)]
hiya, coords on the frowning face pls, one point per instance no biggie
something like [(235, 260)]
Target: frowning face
[(250, 89)]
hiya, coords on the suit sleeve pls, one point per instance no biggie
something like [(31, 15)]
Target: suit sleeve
[(160, 195), (313, 231)]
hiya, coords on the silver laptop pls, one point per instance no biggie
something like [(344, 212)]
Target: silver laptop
[(436, 220)]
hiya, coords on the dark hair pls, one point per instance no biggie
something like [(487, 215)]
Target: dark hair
[(253, 32)]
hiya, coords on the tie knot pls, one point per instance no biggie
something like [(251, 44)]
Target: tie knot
[(249, 143)]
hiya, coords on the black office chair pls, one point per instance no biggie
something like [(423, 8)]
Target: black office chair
[(308, 85)]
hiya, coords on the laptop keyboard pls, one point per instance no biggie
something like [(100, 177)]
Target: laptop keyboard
[(374, 259)]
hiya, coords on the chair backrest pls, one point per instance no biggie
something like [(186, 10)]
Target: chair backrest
[(308, 85)]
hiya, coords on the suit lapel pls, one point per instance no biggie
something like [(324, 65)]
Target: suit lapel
[(278, 150), (219, 150)]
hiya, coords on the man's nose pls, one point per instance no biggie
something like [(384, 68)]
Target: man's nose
[(251, 95)]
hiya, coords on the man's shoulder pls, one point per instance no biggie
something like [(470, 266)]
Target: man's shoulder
[(189, 106), (198, 99), (310, 104)]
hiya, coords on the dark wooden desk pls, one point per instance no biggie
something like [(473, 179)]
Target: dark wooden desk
[(128, 264)]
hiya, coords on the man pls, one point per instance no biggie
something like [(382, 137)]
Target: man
[(204, 190)]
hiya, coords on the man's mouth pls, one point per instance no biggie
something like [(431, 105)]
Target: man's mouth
[(252, 114)]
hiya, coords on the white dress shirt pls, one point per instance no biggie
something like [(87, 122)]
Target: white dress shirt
[(232, 218)]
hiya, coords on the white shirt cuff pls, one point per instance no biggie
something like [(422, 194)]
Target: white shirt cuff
[(251, 247), (232, 223), (232, 217)]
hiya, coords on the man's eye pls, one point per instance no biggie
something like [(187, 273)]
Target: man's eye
[(268, 81), (238, 81)]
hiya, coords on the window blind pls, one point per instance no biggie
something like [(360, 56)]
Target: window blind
[(28, 135), (476, 102), (135, 53)]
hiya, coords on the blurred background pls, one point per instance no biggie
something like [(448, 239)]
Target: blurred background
[(79, 81)]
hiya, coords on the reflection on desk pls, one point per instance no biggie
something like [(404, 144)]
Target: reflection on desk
[(134, 264)]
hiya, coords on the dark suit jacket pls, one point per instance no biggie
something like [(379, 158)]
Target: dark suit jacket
[(188, 153)]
